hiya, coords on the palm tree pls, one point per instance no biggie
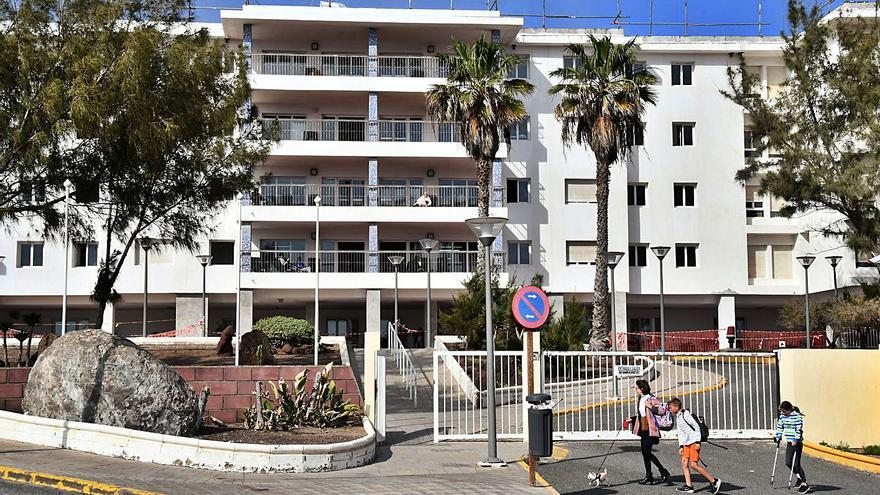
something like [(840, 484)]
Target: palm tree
[(603, 100), (482, 100)]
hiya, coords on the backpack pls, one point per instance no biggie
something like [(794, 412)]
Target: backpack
[(665, 421), (701, 422)]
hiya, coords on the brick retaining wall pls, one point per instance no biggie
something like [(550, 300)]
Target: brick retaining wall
[(231, 387)]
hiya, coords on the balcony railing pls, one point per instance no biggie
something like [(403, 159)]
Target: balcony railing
[(413, 131), (357, 195), (291, 64), (359, 261)]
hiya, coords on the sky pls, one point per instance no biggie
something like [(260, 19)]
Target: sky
[(636, 11)]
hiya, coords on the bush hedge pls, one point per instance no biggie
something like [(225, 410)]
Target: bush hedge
[(286, 330)]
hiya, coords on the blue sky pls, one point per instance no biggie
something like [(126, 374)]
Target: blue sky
[(699, 11)]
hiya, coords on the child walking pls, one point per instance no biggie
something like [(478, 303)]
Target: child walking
[(790, 426), (688, 428)]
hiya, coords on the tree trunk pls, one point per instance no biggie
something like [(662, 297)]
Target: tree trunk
[(600, 339), (484, 194), (30, 339)]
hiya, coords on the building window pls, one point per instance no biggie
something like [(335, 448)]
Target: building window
[(222, 252), (749, 143), (770, 261), (635, 68), (519, 131), (685, 255), (571, 62), (754, 202), (757, 258), (635, 194), (683, 134), (638, 255), (635, 136), (519, 253), (782, 261), (580, 191), (685, 194), (518, 190), (86, 192), (521, 70), (776, 77), (30, 254), (338, 327), (85, 254), (682, 74), (637, 325), (580, 252)]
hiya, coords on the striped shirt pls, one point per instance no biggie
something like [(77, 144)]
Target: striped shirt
[(791, 427)]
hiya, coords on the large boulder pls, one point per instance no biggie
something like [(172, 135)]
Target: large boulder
[(255, 349), (94, 377), (224, 345)]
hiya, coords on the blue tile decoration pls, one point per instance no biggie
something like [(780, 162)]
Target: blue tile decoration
[(373, 116), (374, 248), (246, 239), (495, 201), (373, 182), (246, 45), (373, 52)]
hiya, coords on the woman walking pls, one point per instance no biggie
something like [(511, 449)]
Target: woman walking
[(645, 426)]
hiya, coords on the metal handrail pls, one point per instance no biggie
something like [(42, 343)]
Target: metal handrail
[(386, 195), (349, 65), (303, 261), (358, 130), (404, 362)]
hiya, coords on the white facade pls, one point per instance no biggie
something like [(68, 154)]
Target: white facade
[(364, 143)]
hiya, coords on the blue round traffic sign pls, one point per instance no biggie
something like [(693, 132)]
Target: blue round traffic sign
[(531, 307)]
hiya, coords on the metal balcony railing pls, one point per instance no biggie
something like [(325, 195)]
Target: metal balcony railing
[(359, 261), (357, 195), (412, 131), (294, 64)]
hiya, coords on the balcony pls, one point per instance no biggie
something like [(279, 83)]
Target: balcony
[(357, 130), (357, 195), (360, 261), (289, 64)]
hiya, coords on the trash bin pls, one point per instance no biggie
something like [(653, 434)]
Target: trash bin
[(540, 425)]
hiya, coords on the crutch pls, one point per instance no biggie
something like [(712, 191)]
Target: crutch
[(794, 460), (775, 459)]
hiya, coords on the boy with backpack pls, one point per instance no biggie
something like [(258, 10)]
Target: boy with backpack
[(691, 432), (790, 425)]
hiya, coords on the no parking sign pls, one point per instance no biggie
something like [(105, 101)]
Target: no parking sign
[(531, 307)]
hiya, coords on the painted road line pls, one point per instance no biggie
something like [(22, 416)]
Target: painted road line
[(540, 479), (66, 483), (849, 459)]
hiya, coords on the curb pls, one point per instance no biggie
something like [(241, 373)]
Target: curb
[(848, 459), (540, 479), (66, 483)]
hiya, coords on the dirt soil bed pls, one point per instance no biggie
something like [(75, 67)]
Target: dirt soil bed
[(236, 433), (209, 357)]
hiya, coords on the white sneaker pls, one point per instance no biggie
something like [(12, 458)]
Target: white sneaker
[(716, 487)]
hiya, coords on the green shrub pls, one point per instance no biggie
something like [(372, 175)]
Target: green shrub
[(872, 450), (843, 446), (285, 330)]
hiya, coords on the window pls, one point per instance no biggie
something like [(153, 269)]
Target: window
[(338, 327), (682, 74), (684, 194), (637, 325), (580, 252), (635, 68), (635, 136), (638, 255), (569, 62), (85, 254), (682, 134), (776, 77), (519, 253), (33, 193), (685, 255), (776, 206), (86, 192), (749, 144), (222, 252), (518, 190), (754, 202), (73, 325), (521, 71), (30, 254), (782, 261), (757, 256), (580, 191), (635, 194), (519, 131)]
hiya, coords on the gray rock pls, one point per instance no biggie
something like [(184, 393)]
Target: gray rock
[(94, 377), (224, 345), (255, 344)]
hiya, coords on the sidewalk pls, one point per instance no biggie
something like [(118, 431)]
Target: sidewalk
[(430, 469)]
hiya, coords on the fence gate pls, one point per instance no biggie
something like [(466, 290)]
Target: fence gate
[(736, 393), (460, 385)]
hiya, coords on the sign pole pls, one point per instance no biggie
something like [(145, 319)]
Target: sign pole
[(530, 387)]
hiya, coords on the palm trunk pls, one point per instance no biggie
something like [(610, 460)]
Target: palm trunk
[(484, 191), (600, 340)]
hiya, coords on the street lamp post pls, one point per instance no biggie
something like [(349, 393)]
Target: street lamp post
[(204, 260), (395, 262), (317, 202), (147, 245), (834, 260), (238, 199), (660, 252), (67, 187), (612, 258), (428, 245), (805, 262), (486, 229)]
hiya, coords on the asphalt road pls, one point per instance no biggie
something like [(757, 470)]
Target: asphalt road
[(15, 488), (744, 469)]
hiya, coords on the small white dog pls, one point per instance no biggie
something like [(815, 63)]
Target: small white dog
[(597, 478)]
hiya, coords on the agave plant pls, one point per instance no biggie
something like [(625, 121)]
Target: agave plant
[(294, 406)]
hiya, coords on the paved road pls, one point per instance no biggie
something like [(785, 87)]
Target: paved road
[(14, 488), (744, 468)]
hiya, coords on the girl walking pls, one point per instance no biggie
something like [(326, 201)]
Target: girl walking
[(644, 425), (790, 426)]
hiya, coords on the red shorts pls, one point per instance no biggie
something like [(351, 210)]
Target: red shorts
[(691, 452)]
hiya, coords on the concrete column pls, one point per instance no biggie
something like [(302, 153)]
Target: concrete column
[(246, 242), (373, 117), (109, 323), (372, 344), (188, 310), (373, 182), (247, 310), (726, 318), (495, 201), (373, 240)]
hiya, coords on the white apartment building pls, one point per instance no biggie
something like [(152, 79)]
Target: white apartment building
[(347, 89)]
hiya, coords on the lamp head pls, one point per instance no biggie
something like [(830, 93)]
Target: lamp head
[(395, 260), (147, 243), (806, 261), (68, 185), (429, 244), (613, 258), (204, 259), (660, 251), (486, 229), (834, 260)]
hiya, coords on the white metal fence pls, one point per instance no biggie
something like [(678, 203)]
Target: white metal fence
[(404, 362), (301, 64), (857, 338), (736, 393)]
